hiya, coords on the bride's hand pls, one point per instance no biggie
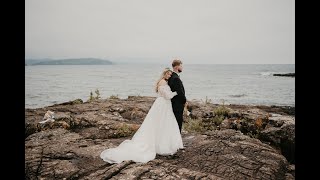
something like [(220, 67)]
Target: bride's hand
[(185, 109)]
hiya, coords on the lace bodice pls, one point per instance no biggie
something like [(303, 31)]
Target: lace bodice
[(165, 91)]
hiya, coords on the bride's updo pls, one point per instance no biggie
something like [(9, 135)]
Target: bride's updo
[(165, 71)]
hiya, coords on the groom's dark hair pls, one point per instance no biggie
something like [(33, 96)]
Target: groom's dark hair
[(176, 62)]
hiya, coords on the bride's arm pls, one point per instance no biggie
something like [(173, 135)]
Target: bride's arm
[(166, 93)]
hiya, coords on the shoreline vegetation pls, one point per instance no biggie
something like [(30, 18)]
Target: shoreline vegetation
[(222, 141)]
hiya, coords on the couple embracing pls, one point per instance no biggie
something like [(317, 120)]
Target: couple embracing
[(160, 132)]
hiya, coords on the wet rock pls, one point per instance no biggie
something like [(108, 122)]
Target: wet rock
[(283, 136), (30, 128), (69, 147), (231, 155), (62, 116), (227, 154)]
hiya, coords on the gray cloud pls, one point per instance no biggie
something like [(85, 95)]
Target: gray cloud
[(204, 31)]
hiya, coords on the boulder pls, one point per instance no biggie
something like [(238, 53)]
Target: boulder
[(228, 154)]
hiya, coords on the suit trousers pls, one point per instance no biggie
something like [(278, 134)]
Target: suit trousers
[(179, 117)]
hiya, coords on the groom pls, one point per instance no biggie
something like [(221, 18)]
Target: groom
[(175, 84)]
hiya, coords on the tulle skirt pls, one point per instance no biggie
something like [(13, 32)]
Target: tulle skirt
[(158, 134)]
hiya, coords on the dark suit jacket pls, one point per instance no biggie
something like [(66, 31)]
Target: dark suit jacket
[(179, 100)]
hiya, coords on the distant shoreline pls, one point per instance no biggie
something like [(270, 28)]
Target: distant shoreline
[(78, 61)]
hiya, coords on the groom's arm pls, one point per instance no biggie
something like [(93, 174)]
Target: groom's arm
[(177, 86)]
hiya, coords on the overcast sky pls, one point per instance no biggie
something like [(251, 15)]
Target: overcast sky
[(197, 31)]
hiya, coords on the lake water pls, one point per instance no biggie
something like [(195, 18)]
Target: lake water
[(232, 84)]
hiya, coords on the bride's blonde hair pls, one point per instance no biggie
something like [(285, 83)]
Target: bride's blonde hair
[(166, 70)]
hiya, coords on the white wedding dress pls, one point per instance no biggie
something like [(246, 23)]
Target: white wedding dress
[(158, 134)]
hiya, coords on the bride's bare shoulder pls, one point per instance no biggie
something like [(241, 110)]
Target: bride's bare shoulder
[(162, 82)]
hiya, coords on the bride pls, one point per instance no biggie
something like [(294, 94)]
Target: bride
[(158, 134)]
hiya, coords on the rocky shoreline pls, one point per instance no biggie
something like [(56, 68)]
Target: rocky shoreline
[(287, 74), (222, 141)]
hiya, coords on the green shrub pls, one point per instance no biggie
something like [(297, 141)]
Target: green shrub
[(114, 97), (97, 94), (193, 125), (124, 130), (77, 101), (92, 98), (221, 111), (217, 120)]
